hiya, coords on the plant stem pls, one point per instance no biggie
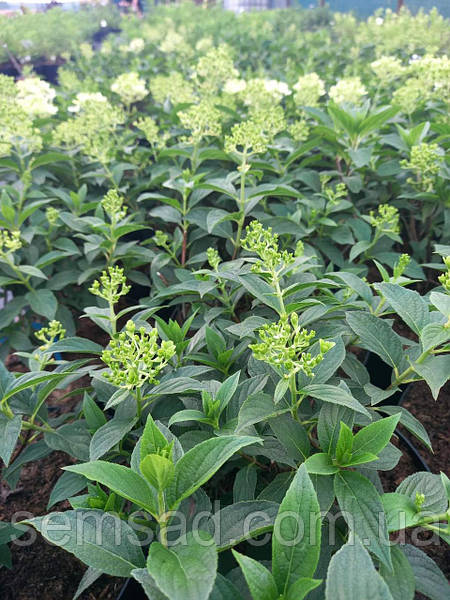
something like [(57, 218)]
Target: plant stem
[(243, 168)]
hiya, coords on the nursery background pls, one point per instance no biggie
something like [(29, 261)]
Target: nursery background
[(224, 300)]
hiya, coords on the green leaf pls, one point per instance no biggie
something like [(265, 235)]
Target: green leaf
[(108, 435), (374, 437), (157, 470), (28, 380), (441, 302), (152, 439), (201, 462), (260, 580), (428, 484), (91, 535), (400, 581), (186, 571), (148, 583), (361, 506), (436, 372), (48, 159), (433, 335), (377, 336), (43, 302), (292, 435), (344, 444), (334, 395), (256, 408), (321, 464), (9, 434), (408, 304), (227, 390), (72, 438), (244, 485), (93, 414), (430, 581), (224, 590), (119, 479), (328, 426), (67, 485), (301, 588), (241, 521), (352, 576), (76, 345), (400, 510), (296, 538), (409, 422), (262, 290)]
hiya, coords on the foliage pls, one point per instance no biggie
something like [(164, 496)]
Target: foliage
[(205, 229)]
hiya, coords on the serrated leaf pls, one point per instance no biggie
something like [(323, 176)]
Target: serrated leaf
[(259, 579), (200, 463), (429, 579), (361, 507), (9, 434), (352, 576), (119, 479), (186, 571), (377, 336), (294, 555), (408, 304), (334, 395), (91, 535)]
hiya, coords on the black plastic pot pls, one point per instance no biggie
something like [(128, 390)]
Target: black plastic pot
[(132, 590)]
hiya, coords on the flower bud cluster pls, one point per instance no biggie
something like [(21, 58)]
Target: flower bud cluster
[(347, 91), (130, 87), (308, 90), (386, 219), (283, 345), (111, 285), (202, 119), (387, 68), (264, 243), (173, 87), (255, 134), (135, 358), (215, 68), (54, 331), (9, 241), (400, 266), (112, 204), (213, 258), (425, 161), (444, 279), (52, 215)]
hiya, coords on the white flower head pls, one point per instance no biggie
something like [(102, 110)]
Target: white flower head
[(136, 45), (277, 88), (35, 97), (130, 87), (234, 86), (82, 98), (349, 90)]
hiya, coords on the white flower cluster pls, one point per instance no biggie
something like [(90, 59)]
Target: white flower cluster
[(277, 89), (35, 97), (308, 89), (82, 98), (130, 87), (234, 86), (387, 68), (136, 45), (348, 91)]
